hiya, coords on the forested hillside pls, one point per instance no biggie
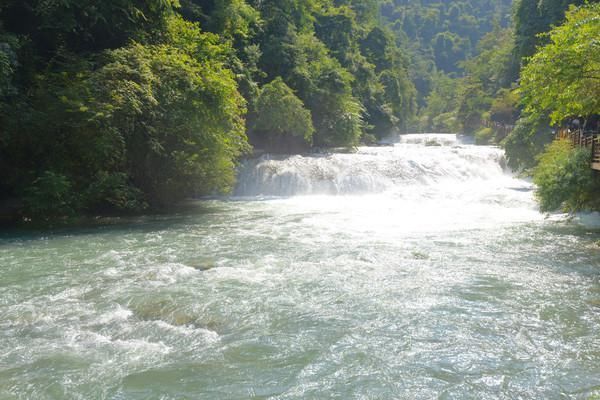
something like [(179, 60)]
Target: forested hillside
[(439, 36), (478, 97), (125, 105), (121, 105)]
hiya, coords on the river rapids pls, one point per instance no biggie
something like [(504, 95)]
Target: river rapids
[(419, 270)]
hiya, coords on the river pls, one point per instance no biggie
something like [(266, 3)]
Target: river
[(421, 270)]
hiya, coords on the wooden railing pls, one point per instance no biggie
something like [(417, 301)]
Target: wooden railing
[(596, 153), (579, 138), (502, 130)]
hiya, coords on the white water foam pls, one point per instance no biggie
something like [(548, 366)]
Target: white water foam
[(423, 183), (372, 170)]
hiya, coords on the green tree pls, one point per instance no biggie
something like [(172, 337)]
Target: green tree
[(563, 78), (83, 25), (143, 123), (439, 37), (325, 87), (532, 18), (505, 107), (282, 122), (442, 103), (527, 141), (565, 180), (180, 118), (475, 102), (491, 66)]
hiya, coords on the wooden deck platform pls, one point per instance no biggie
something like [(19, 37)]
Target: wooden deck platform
[(579, 138)]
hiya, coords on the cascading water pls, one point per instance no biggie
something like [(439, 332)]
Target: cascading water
[(419, 160), (431, 181), (416, 271)]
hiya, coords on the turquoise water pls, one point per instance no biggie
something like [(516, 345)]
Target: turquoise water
[(378, 284)]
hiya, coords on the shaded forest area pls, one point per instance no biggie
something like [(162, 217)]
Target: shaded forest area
[(126, 105)]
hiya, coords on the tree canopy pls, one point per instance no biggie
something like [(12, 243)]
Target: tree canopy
[(563, 78), (281, 120), (560, 81), (127, 104)]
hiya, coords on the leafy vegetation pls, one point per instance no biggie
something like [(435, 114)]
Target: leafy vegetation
[(439, 37), (281, 120), (563, 78), (123, 105), (532, 19), (565, 180), (527, 140), (467, 56), (560, 81)]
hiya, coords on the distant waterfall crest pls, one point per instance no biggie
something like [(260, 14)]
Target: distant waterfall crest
[(422, 160)]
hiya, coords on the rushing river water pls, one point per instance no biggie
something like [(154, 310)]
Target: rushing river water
[(407, 272)]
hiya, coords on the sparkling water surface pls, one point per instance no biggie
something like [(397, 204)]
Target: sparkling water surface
[(414, 271)]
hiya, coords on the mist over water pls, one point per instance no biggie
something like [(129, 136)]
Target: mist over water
[(416, 271)]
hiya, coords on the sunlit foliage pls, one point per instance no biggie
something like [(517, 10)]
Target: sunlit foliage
[(123, 105), (282, 123), (563, 78), (565, 180)]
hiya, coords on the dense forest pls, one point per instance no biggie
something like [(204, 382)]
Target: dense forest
[(125, 105), (474, 91), (440, 36)]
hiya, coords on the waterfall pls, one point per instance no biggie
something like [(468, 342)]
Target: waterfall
[(424, 160)]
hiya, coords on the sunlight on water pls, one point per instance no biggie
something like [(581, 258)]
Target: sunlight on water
[(416, 271)]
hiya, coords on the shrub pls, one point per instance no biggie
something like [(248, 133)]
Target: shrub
[(114, 192), (529, 138), (50, 195), (565, 180), (484, 136)]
